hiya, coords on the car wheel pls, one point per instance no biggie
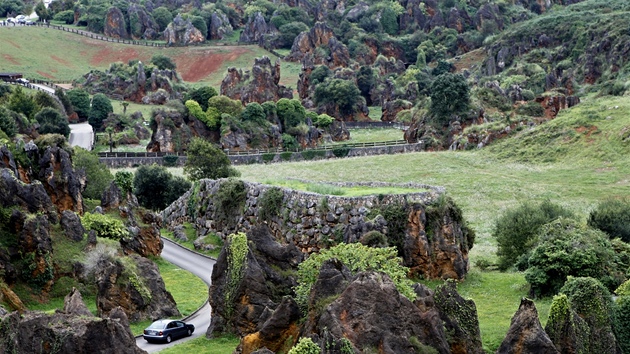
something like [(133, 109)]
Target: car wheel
[(189, 332), (168, 339)]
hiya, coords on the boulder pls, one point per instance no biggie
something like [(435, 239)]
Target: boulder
[(260, 289), (526, 334), (71, 225), (261, 85), (35, 332), (371, 313), (566, 329), (112, 197), (31, 197), (279, 332), (255, 28), (146, 242), (115, 25), (141, 295), (73, 305), (182, 32)]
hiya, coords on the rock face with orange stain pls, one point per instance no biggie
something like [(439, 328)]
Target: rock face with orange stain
[(248, 306), (115, 25), (261, 84), (62, 182), (142, 298)]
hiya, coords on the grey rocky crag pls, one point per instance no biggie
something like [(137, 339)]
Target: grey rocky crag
[(35, 332), (526, 335), (219, 26), (261, 84), (256, 29), (182, 32), (320, 35), (172, 131)]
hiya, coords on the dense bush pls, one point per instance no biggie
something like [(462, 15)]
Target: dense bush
[(270, 203), (621, 316), (289, 31), (204, 160), (162, 16), (449, 96), (21, 102), (97, 174), (156, 188), (124, 181), (7, 123), (613, 217), (305, 346), (229, 201), (532, 109), (163, 62), (51, 121), (516, 229), (567, 248), (65, 16), (201, 95), (357, 258), (99, 110), (105, 226), (80, 100), (342, 93)]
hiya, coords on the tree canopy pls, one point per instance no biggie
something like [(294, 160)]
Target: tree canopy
[(204, 160)]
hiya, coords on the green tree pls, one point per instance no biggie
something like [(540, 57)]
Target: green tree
[(43, 99), (163, 17), (65, 101), (10, 7), (365, 82), (42, 11), (66, 17), (124, 181), (200, 24), (97, 174), (613, 217), (21, 102), (156, 188), (201, 95), (255, 113), (220, 105), (101, 108), (289, 31), (163, 62), (449, 96), (516, 230), (342, 93), (204, 160), (291, 112), (7, 123), (389, 21), (558, 256), (80, 100), (51, 121)]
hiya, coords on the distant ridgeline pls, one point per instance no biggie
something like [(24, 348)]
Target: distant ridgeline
[(426, 227)]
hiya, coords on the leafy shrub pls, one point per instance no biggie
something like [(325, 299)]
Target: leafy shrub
[(289, 143), (163, 62), (101, 107), (51, 121), (204, 160), (341, 151), (65, 16), (323, 120), (80, 100), (170, 160), (7, 123), (449, 96), (373, 239), (268, 157), (124, 181), (105, 226), (237, 250), (621, 322), (357, 258), (305, 346), (532, 109), (229, 201), (313, 154), (270, 203), (557, 256), (613, 217), (342, 93), (98, 175), (286, 156), (156, 188), (516, 229), (396, 216)]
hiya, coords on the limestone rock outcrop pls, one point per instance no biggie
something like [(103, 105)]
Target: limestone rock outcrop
[(172, 132), (219, 26), (320, 35), (260, 85), (526, 334), (71, 225), (256, 28), (63, 184), (115, 25), (146, 27), (144, 297), (182, 32), (33, 332)]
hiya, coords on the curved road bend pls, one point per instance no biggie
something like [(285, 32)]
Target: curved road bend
[(200, 266)]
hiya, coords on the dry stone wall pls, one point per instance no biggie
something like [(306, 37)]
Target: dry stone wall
[(313, 221)]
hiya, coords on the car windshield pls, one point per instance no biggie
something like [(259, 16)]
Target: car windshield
[(158, 325)]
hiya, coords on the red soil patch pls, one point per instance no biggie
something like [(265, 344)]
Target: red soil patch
[(47, 75), (110, 55), (198, 65), (10, 59), (60, 60)]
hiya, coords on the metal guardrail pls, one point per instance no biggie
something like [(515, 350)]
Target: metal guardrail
[(139, 154)]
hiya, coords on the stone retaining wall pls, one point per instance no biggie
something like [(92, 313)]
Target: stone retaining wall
[(313, 221)]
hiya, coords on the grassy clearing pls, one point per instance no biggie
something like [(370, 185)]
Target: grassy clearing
[(202, 345), (327, 189), (372, 135)]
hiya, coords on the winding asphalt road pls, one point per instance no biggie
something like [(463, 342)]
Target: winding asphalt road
[(200, 266)]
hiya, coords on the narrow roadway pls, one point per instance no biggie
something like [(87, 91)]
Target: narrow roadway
[(200, 266)]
